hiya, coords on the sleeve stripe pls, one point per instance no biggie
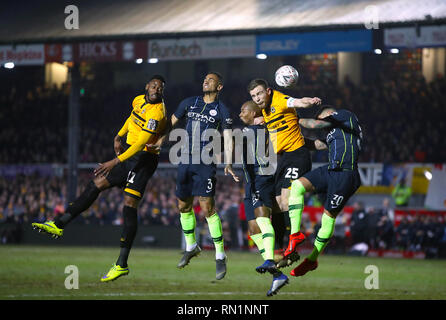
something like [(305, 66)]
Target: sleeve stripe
[(152, 132), (140, 118)]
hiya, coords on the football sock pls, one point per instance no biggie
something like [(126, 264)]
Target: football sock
[(82, 203), (257, 238), (296, 205), (188, 224), (216, 231), (323, 236), (278, 222), (267, 236), (128, 234)]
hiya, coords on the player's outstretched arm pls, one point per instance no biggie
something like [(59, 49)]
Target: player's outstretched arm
[(314, 124), (306, 102)]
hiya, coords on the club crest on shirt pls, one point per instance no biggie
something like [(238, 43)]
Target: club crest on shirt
[(152, 124), (213, 112), (273, 110)]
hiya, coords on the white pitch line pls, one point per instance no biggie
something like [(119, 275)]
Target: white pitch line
[(166, 294)]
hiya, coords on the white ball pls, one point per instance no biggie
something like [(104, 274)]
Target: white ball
[(286, 76)]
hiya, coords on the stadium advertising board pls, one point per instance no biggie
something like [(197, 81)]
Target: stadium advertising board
[(109, 51), (96, 51), (202, 48), (428, 36), (32, 54), (314, 42)]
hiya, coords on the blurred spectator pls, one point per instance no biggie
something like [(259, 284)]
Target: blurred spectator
[(384, 232), (401, 193), (386, 210), (372, 219), (358, 223), (403, 234)]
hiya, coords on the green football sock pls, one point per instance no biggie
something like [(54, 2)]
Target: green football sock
[(323, 236), (296, 205), (257, 238), (267, 235), (188, 223), (216, 231)]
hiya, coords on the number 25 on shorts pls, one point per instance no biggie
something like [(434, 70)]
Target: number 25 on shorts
[(292, 173)]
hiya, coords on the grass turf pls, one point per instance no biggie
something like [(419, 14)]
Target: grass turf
[(38, 272)]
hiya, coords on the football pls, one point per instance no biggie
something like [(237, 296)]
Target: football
[(286, 76)]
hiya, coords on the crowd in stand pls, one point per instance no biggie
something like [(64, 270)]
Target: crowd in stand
[(378, 229)]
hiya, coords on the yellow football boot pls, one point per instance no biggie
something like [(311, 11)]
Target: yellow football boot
[(115, 272), (48, 227)]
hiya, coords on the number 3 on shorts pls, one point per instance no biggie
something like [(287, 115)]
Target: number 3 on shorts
[(292, 173), (209, 186)]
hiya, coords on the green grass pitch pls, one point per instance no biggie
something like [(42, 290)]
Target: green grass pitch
[(37, 272)]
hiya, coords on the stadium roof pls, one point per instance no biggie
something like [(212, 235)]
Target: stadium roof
[(43, 20)]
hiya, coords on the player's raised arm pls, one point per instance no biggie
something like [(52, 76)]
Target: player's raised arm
[(324, 119), (305, 102), (314, 123)]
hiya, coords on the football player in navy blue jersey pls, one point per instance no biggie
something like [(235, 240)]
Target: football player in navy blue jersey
[(259, 192), (339, 179), (197, 177)]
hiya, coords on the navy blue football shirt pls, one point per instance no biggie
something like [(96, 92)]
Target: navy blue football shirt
[(201, 116), (344, 140)]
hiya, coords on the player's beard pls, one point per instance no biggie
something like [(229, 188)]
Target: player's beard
[(148, 99)]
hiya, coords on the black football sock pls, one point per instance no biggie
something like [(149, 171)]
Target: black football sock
[(82, 203), (128, 234), (278, 222)]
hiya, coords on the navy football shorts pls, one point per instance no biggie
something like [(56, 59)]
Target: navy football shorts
[(338, 185), (261, 193), (195, 180)]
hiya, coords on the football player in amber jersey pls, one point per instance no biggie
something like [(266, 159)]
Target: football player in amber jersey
[(132, 168), (294, 158)]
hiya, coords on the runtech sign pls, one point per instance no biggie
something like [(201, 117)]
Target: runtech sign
[(202, 48)]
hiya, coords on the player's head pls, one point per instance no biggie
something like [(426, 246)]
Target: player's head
[(324, 111), (260, 92), (249, 111), (155, 89), (212, 83)]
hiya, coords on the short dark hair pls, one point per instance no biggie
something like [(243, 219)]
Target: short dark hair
[(219, 76), (258, 82), (322, 108), (158, 77), (252, 106)]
